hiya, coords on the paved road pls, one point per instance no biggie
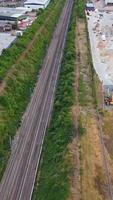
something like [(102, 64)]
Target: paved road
[(19, 177)]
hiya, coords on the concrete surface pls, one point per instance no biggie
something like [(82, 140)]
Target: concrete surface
[(101, 39), (5, 41)]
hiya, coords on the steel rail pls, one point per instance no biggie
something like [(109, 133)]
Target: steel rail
[(30, 112), (37, 127), (46, 123), (33, 112)]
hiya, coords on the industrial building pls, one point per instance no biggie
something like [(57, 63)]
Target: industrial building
[(109, 2), (12, 14), (13, 21), (36, 4), (4, 26)]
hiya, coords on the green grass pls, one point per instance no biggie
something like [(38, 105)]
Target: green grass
[(53, 182), (20, 85), (87, 90), (80, 7), (83, 97)]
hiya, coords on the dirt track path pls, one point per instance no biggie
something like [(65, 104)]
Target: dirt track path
[(90, 179)]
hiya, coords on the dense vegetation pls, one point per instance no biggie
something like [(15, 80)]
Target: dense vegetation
[(20, 84), (53, 181), (80, 5)]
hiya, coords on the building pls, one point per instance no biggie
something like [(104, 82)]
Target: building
[(4, 26), (109, 2), (12, 14), (36, 4)]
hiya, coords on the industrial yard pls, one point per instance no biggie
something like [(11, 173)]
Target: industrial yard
[(100, 28), (6, 39), (15, 20)]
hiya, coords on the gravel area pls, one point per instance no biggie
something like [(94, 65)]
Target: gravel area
[(100, 27)]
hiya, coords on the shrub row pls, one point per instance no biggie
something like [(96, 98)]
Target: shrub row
[(53, 181)]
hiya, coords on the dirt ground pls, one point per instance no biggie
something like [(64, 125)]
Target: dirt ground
[(89, 179), (108, 130), (93, 183)]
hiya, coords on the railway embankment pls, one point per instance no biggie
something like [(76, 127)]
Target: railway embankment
[(53, 179), (20, 80)]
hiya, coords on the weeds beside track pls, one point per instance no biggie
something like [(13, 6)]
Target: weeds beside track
[(53, 179), (20, 84)]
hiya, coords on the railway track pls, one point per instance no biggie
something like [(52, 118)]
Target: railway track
[(19, 177)]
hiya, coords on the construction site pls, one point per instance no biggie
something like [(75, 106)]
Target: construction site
[(100, 28)]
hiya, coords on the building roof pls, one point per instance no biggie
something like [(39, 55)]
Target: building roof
[(39, 2), (24, 9), (90, 4), (108, 1), (3, 23), (11, 13)]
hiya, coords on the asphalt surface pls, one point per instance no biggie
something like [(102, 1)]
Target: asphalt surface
[(19, 177)]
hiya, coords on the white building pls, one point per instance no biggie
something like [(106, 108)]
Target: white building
[(107, 2), (36, 4)]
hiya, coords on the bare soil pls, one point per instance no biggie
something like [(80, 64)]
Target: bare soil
[(89, 180), (108, 130)]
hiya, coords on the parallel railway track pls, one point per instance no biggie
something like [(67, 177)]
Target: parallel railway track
[(19, 177)]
